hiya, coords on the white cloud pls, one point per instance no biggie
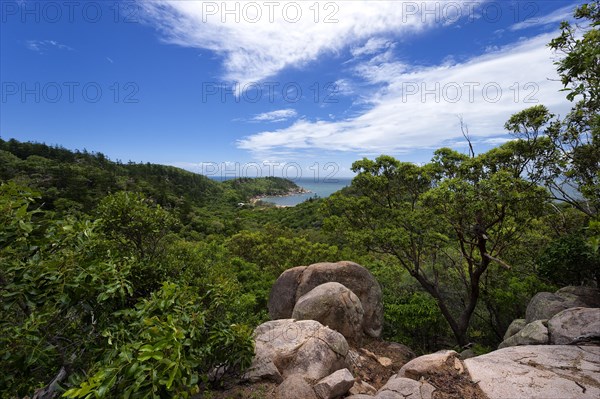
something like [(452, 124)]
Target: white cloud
[(275, 116), (41, 46), (253, 51), (555, 17), (343, 87), (372, 46), (418, 108)]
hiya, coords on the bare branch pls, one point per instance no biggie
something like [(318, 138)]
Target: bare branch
[(465, 132)]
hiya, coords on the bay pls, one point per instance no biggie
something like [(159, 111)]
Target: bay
[(321, 188)]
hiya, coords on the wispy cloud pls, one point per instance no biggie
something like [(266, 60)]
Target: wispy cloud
[(253, 50), (555, 17), (417, 108), (372, 46), (275, 116), (42, 46)]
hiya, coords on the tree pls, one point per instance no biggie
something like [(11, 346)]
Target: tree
[(570, 163), (565, 153), (445, 222), (132, 220)]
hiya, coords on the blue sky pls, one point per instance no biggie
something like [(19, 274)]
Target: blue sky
[(233, 87)]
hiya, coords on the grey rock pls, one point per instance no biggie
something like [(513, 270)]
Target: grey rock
[(295, 387), (334, 385), (538, 372), (516, 326), (544, 305), (335, 306), (288, 347), (572, 323), (283, 293), (534, 333), (400, 388), (589, 296), (433, 363)]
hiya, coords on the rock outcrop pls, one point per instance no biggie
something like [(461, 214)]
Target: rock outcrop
[(296, 282), (542, 371), (543, 325), (334, 306)]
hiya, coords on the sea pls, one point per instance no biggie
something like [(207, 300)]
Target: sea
[(321, 188)]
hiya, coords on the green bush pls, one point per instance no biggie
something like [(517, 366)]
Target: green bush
[(167, 345), (570, 260), (72, 314)]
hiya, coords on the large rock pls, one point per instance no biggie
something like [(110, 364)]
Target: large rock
[(334, 385), (538, 372), (434, 363), (334, 306), (544, 305), (572, 323), (294, 283), (287, 347), (295, 387), (589, 296), (534, 333), (516, 326), (283, 293)]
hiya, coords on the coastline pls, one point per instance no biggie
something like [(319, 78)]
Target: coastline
[(291, 192)]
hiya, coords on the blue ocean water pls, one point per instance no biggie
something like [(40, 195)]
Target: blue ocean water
[(322, 188)]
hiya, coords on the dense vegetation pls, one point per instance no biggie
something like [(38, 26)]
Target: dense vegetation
[(142, 280), (266, 186)]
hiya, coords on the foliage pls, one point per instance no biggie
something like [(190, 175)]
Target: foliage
[(569, 163), (444, 222), (157, 349), (58, 292), (71, 180), (73, 304), (132, 221), (414, 319), (274, 250), (569, 260), (247, 188)]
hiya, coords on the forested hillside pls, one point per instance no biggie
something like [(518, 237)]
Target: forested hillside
[(140, 280), (78, 180)]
